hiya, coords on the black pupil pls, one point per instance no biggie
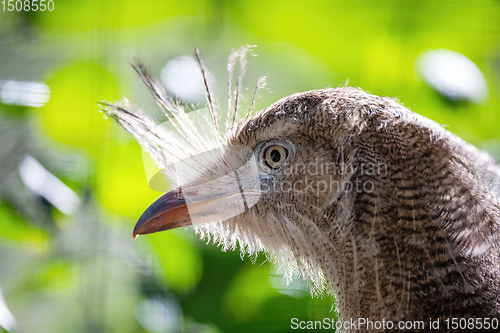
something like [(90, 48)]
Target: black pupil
[(275, 155)]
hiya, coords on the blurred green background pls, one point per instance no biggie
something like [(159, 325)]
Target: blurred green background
[(72, 184)]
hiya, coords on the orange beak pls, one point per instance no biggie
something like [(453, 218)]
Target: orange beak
[(215, 200), (168, 212)]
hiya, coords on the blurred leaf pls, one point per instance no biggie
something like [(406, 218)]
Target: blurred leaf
[(122, 187), (72, 114), (19, 232), (179, 261), (248, 293), (50, 276)]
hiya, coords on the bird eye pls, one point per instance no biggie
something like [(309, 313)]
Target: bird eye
[(275, 156)]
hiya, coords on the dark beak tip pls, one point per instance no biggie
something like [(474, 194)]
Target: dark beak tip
[(142, 224)]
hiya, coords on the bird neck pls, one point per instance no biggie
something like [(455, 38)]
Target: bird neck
[(402, 256), (391, 286)]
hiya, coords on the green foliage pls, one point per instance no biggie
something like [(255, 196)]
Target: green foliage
[(71, 115), (19, 232)]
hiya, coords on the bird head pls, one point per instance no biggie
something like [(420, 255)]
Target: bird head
[(283, 181), (270, 183)]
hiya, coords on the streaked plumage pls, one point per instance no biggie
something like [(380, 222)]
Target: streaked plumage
[(414, 236)]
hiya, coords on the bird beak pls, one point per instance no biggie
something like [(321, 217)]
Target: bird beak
[(198, 205), (168, 212), (215, 200)]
